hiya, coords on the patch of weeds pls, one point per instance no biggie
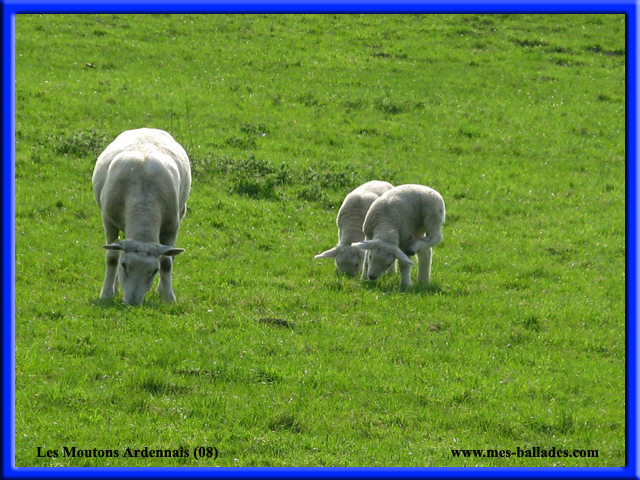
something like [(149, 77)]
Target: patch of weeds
[(250, 129), (324, 178), (38, 154), (437, 327), (398, 56), (240, 143), (308, 100), (276, 100), (285, 421), (83, 346), (351, 105), (387, 106), (367, 132), (267, 376), (459, 196), (557, 49), (312, 193), (252, 166), (260, 179), (53, 315), (532, 323), (203, 165), (79, 144), (529, 43), (560, 426), (277, 322), (465, 397), (564, 62), (199, 373), (249, 176), (255, 187), (468, 133), (600, 350), (561, 253), (157, 386), (473, 267), (598, 49)]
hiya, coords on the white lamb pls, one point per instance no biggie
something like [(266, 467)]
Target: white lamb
[(141, 183), (351, 216), (405, 221)]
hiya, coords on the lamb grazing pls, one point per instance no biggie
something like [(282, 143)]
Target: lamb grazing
[(141, 183), (405, 221), (351, 215)]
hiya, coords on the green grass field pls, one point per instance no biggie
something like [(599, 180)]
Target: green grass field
[(519, 341)]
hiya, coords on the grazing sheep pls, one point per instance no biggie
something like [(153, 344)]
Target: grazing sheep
[(405, 221), (141, 183), (351, 215)]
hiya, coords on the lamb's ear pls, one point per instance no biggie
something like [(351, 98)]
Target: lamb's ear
[(332, 253), (113, 246), (402, 258), (168, 251), (366, 245)]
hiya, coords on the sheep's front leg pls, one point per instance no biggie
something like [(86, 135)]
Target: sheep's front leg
[(110, 285), (424, 264), (165, 288), (405, 274), (365, 267)]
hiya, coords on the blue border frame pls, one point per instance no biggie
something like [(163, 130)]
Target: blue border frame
[(12, 7)]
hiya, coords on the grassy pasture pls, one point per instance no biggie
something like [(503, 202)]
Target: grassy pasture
[(518, 120)]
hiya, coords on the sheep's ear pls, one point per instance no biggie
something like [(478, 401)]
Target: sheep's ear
[(402, 258), (368, 245), (113, 246), (332, 253), (168, 251)]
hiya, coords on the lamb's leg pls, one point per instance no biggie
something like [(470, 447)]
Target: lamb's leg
[(110, 285), (165, 288), (415, 246), (429, 240), (424, 264), (365, 266), (405, 274)]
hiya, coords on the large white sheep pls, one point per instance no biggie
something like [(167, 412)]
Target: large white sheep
[(141, 183), (405, 221), (351, 216)]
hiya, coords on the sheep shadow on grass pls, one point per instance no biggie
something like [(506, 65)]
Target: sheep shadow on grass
[(421, 289), (151, 303)]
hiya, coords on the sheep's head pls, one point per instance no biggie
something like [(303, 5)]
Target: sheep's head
[(380, 256), (139, 264), (348, 259)]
